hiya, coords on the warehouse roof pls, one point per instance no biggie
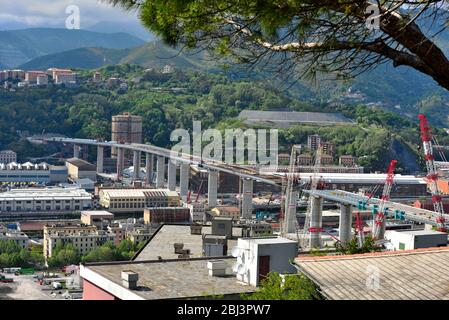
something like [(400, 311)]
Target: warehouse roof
[(45, 193), (142, 193), (172, 279), (81, 164), (287, 118), (409, 275)]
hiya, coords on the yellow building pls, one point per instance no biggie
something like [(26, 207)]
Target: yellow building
[(136, 200)]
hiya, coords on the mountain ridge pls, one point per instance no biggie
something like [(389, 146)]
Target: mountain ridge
[(20, 46)]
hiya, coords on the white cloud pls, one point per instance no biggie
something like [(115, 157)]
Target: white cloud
[(51, 13)]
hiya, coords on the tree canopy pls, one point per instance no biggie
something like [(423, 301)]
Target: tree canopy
[(346, 37), (287, 287)]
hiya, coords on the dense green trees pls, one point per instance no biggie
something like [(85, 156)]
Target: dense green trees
[(287, 287), (352, 246), (66, 254), (214, 99), (12, 255)]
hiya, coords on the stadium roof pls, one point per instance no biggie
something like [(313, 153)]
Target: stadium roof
[(285, 119)]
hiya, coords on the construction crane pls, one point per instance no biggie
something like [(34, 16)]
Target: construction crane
[(305, 232), (292, 182), (379, 219), (359, 229), (432, 175)]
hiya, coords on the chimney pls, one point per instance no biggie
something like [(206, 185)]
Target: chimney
[(196, 229), (217, 268), (178, 247), (129, 279)]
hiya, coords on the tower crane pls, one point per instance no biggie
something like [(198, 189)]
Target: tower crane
[(379, 219), (432, 175), (289, 208)]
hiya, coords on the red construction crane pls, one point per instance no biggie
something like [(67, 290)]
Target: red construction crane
[(432, 175), (379, 219)]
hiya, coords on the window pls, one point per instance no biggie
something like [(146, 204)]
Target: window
[(401, 246)]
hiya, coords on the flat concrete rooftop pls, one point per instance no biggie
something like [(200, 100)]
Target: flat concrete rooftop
[(174, 279), (161, 243)]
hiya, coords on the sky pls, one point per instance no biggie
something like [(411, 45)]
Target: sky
[(52, 13)]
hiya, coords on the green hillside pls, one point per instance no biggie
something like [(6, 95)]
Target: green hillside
[(150, 55)]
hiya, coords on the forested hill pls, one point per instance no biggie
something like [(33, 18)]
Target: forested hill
[(170, 101)]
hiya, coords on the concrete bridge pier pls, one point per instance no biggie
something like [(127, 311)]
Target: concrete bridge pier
[(171, 179), (160, 172), (136, 165), (316, 222), (120, 162), (345, 225), (100, 159), (149, 164), (76, 151), (184, 180), (212, 188), (247, 199)]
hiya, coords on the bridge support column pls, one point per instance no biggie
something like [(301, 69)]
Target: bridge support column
[(345, 225), (316, 222), (382, 228), (160, 172), (100, 159), (184, 180), (149, 164), (212, 188), (171, 179), (76, 151), (136, 165), (290, 218), (247, 199), (120, 162)]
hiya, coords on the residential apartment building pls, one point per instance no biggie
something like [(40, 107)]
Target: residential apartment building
[(31, 76), (65, 78), (197, 211), (136, 200), (83, 238), (328, 148), (313, 141), (17, 237), (11, 75), (346, 161), (166, 215), (304, 160)]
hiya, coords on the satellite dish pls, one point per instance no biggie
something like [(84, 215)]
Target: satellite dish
[(242, 269), (236, 252)]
